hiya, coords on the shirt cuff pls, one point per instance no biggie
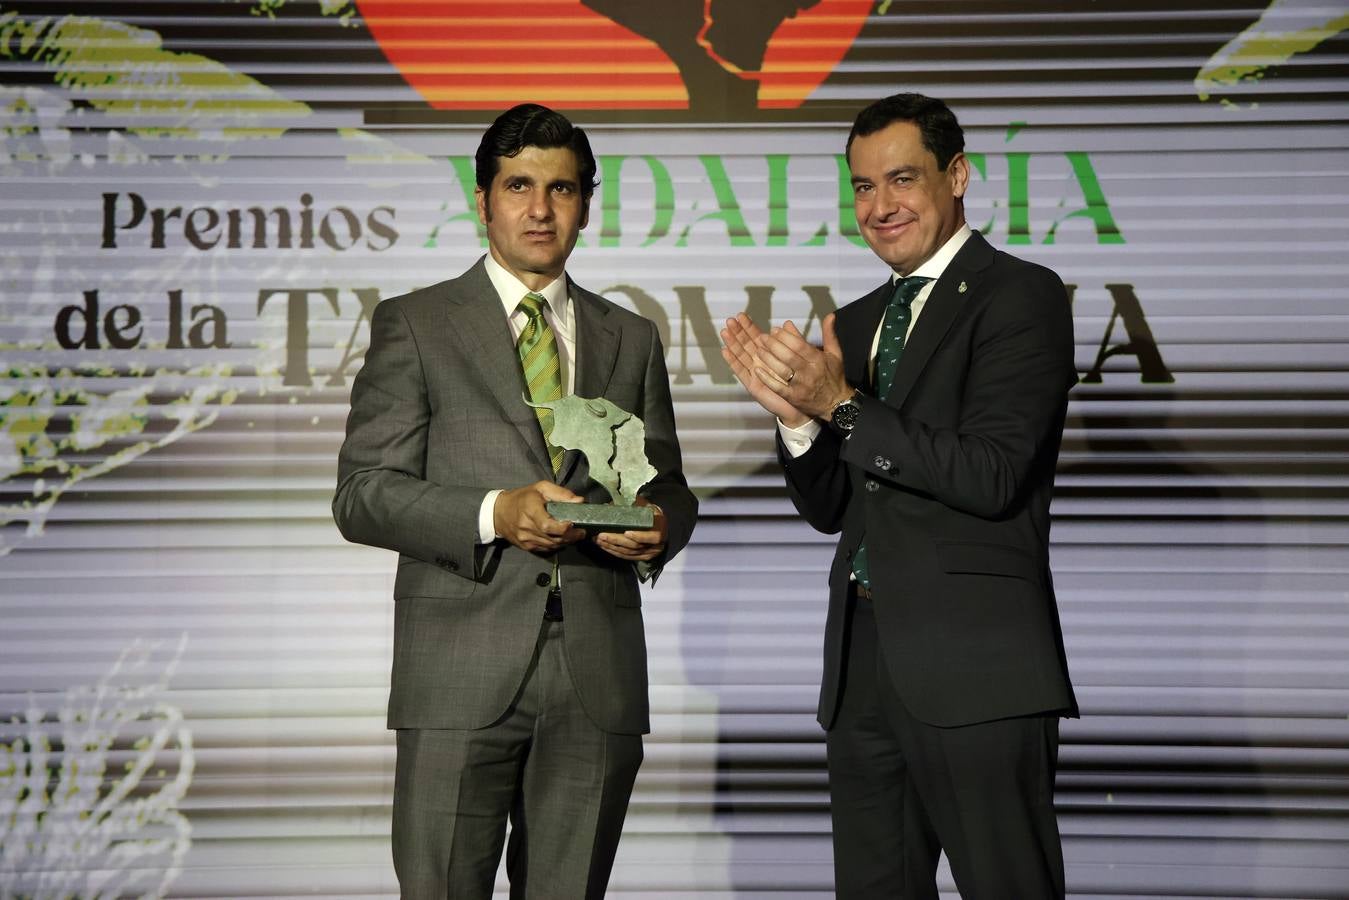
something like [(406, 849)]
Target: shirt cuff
[(799, 440), (487, 528)]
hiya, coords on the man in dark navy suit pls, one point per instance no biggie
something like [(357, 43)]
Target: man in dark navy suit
[(926, 430)]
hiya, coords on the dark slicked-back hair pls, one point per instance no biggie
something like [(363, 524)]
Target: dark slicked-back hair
[(532, 125), (942, 135)]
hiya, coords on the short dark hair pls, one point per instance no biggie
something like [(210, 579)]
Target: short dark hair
[(532, 125), (942, 135)]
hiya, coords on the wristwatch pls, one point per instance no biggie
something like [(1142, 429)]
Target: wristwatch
[(844, 416)]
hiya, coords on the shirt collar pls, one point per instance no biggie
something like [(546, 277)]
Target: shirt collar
[(936, 264), (511, 290)]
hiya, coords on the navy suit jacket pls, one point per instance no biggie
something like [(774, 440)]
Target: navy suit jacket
[(949, 478)]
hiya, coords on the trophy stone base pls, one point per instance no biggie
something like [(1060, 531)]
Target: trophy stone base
[(603, 516)]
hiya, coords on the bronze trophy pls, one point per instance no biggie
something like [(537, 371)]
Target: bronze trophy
[(613, 442)]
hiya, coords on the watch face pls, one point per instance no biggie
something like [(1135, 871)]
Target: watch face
[(845, 415)]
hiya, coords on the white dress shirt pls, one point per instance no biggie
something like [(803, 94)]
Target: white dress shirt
[(798, 440), (560, 315)]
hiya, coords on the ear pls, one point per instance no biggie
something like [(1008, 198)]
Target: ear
[(958, 170), (484, 214)]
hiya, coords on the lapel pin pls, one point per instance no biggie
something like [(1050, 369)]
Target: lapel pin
[(963, 288)]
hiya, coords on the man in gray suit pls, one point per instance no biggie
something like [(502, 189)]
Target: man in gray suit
[(519, 682)]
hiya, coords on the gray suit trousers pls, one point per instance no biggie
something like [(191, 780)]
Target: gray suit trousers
[(563, 783)]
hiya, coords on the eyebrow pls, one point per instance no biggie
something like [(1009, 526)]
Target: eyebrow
[(898, 170), (903, 170)]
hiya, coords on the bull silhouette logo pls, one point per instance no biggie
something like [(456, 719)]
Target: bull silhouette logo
[(717, 45)]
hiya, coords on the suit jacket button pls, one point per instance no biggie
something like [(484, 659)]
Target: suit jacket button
[(543, 580), (881, 463), (873, 486)]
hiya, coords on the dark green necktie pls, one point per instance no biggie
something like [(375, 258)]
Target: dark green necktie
[(894, 327), (542, 367)]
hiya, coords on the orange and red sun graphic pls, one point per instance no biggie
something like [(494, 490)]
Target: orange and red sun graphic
[(489, 55)]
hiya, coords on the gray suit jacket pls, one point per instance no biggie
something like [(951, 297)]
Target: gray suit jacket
[(437, 420)]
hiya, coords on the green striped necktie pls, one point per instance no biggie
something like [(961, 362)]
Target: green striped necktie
[(542, 366)]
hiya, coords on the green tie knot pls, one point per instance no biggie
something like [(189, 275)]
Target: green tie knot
[(532, 304), (906, 289)]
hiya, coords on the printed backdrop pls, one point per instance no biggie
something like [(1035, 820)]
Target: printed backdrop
[(203, 201)]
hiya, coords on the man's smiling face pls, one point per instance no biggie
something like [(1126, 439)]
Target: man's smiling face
[(907, 207)]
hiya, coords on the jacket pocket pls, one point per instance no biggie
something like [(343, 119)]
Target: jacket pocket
[(977, 558), (420, 579)]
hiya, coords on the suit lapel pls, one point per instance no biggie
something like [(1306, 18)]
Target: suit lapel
[(857, 329), (957, 285), (480, 322), (596, 344)]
